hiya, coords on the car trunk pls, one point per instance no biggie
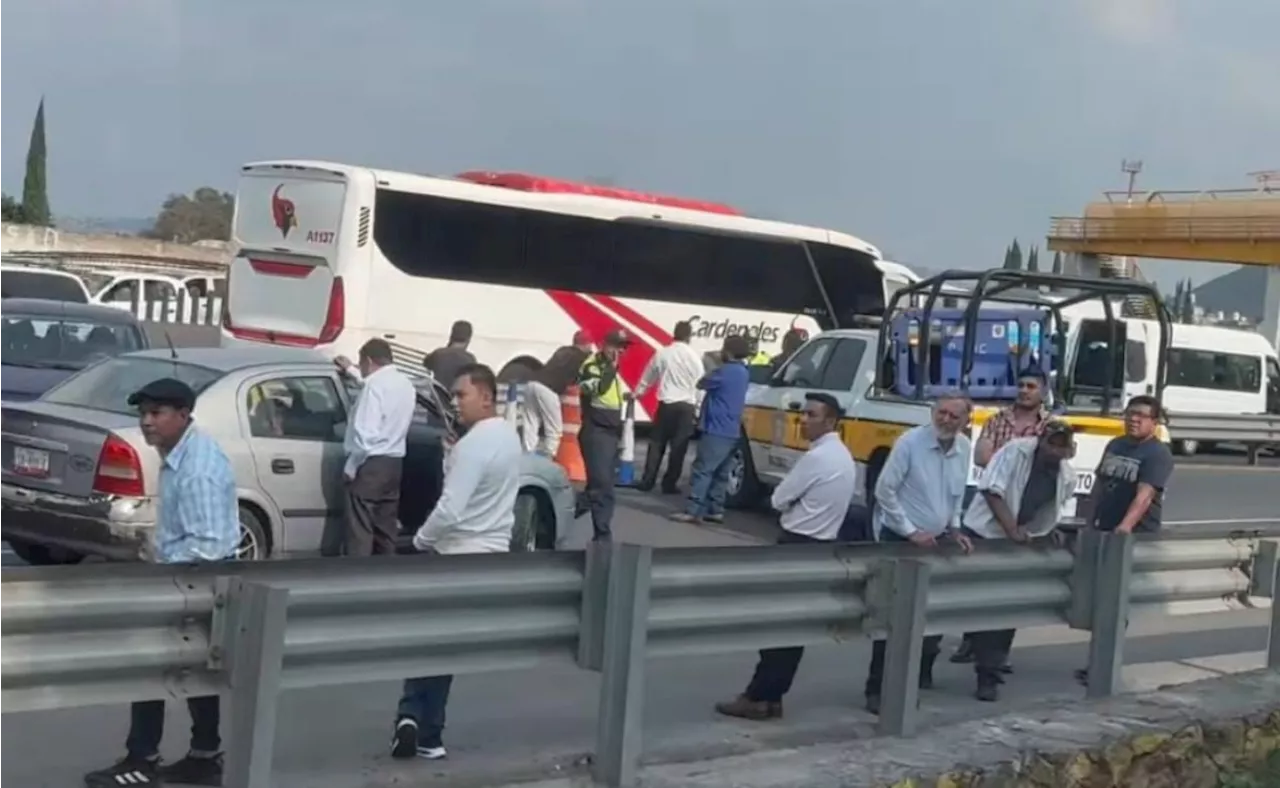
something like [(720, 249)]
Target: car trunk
[(60, 449)]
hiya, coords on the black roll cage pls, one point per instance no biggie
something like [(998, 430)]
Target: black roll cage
[(996, 285)]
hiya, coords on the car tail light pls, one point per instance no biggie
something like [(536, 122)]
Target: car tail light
[(119, 469), (335, 317)]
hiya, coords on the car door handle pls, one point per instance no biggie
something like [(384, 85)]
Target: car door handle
[(282, 466)]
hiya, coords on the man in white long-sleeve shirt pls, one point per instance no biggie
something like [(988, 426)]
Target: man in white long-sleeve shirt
[(919, 496), (676, 369), (375, 444), (475, 514), (812, 501)]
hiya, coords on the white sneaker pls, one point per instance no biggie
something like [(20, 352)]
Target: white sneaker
[(433, 753)]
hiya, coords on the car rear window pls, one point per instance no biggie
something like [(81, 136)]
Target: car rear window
[(37, 284), (39, 340), (108, 384)]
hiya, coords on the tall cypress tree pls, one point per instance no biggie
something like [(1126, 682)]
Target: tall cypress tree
[(35, 195), (1057, 263), (1033, 260)]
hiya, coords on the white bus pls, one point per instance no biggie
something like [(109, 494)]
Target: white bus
[(330, 255)]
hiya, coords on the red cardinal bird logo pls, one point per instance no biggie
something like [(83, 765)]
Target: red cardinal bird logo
[(283, 212)]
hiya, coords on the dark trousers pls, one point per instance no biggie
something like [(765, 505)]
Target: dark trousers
[(928, 655), (672, 426), (373, 503), (776, 669), (600, 456), (990, 647), (423, 700), (146, 726)]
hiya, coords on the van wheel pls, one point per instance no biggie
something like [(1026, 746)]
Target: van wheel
[(533, 529), (1186, 448), (255, 545), (743, 488), (44, 555)]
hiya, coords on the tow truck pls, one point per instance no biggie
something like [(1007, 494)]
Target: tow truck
[(966, 331)]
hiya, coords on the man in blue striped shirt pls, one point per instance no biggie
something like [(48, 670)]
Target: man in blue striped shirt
[(198, 520)]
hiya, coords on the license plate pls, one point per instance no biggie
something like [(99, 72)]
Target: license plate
[(1084, 483), (30, 462)]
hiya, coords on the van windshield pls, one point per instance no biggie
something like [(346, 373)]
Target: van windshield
[(108, 384)]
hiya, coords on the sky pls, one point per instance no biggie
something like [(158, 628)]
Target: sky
[(937, 130)]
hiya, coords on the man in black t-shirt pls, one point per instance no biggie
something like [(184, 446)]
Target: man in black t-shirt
[(443, 363), (1129, 484)]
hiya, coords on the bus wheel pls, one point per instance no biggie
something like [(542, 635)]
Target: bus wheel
[(743, 488)]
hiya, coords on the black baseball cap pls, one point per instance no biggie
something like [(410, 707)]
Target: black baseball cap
[(165, 391)]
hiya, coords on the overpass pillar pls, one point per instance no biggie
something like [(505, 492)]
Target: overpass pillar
[(1270, 327), (1084, 265)]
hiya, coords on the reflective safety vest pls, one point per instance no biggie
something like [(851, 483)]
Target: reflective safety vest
[(760, 359), (589, 380)]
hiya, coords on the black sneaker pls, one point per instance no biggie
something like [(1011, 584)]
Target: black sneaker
[(404, 742), (987, 692), (194, 770), (127, 771)]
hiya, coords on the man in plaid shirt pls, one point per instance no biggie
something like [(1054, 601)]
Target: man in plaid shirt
[(1025, 418)]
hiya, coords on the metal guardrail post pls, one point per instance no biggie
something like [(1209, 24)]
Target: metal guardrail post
[(1262, 574), (257, 655), (907, 602), (621, 718), (1110, 615), (595, 596), (1273, 635), (1084, 578)]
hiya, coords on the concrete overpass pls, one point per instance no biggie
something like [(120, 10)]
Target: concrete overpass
[(28, 242)]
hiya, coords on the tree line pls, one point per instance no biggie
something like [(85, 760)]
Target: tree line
[(203, 215)]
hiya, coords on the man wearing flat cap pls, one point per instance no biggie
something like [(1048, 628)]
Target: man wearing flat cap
[(197, 520), (1020, 495)]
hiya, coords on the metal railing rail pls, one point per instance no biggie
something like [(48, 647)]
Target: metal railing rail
[(1171, 228), (77, 636), (1254, 431)]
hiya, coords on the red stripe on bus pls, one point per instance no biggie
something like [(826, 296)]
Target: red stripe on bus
[(643, 324), (596, 322)]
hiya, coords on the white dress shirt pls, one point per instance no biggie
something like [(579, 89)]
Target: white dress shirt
[(1006, 476), (677, 368), (921, 487), (476, 510), (814, 497), (380, 422)]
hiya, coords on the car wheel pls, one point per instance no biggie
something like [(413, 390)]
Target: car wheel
[(254, 544), (532, 530), (43, 555), (742, 491)]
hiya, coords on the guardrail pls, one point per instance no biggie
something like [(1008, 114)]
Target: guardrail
[(78, 636), (1254, 431)]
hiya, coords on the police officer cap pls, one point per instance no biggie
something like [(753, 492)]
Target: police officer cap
[(617, 338), (165, 391)]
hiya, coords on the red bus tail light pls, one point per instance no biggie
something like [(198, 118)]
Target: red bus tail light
[(335, 317)]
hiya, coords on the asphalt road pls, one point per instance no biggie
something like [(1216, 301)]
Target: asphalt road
[(513, 726)]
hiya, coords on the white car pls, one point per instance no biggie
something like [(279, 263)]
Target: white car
[(78, 479)]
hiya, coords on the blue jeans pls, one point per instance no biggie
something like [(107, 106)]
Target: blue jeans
[(710, 475), (423, 701)]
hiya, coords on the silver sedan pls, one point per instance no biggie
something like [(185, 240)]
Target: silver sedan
[(78, 479)]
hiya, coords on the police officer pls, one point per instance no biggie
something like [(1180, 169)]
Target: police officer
[(757, 357), (602, 402)]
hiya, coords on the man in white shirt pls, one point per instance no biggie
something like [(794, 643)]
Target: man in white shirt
[(812, 501), (475, 514), (676, 369), (374, 444), (1020, 495), (919, 497)]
